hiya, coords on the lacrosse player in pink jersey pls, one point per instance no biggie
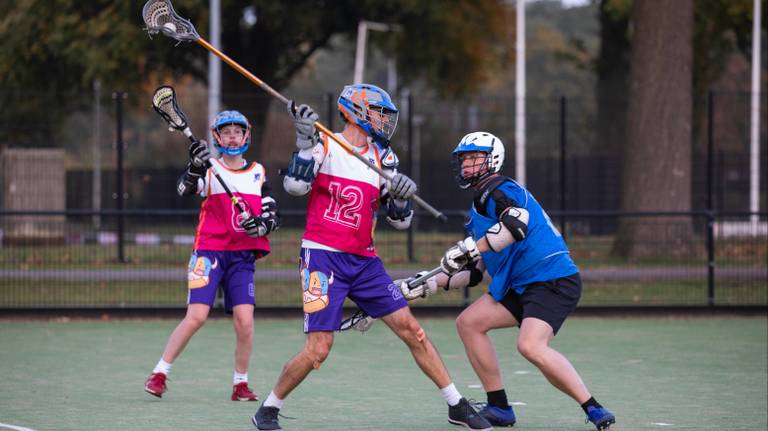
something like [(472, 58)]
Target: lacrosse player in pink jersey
[(338, 259), (227, 244)]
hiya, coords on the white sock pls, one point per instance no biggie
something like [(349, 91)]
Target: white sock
[(273, 401), (239, 378), (450, 394), (163, 367)]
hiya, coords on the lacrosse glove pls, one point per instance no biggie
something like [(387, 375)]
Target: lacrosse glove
[(304, 120)]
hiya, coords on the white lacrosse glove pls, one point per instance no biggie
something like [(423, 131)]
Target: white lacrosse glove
[(402, 187), (304, 120), (458, 256), (422, 290), (199, 153)]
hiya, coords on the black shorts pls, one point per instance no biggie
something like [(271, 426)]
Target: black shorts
[(551, 301)]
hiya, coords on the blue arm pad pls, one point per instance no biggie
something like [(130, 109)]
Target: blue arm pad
[(396, 213), (301, 169)]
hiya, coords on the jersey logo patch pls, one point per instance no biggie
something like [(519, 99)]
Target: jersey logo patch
[(257, 177)]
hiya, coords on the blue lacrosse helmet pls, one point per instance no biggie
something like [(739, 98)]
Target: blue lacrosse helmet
[(492, 163), (370, 108), (226, 118)]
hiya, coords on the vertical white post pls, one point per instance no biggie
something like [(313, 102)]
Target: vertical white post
[(362, 34), (754, 135), (520, 94), (214, 65)]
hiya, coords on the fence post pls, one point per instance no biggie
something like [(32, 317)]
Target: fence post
[(711, 258), (331, 109), (120, 194), (563, 145), (710, 148), (412, 168)]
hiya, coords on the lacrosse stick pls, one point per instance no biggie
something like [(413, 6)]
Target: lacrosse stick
[(165, 104), (160, 17), (362, 322)]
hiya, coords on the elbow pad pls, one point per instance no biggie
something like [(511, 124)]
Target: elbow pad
[(512, 227), (301, 173), (399, 216)]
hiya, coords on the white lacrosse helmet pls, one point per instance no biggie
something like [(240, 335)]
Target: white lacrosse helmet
[(493, 162)]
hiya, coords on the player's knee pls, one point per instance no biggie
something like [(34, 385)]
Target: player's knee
[(412, 333), (244, 328), (530, 350), (195, 320), (318, 353), (467, 323)]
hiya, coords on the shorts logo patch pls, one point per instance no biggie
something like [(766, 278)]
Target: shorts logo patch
[(315, 290), (395, 291), (199, 271)]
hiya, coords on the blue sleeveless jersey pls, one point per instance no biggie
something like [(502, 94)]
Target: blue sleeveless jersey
[(541, 256)]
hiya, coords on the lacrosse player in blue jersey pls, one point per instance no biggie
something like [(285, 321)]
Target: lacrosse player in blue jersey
[(534, 283)]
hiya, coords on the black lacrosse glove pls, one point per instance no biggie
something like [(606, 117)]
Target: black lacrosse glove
[(257, 226), (199, 155)]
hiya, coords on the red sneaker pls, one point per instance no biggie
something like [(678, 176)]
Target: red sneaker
[(155, 384), (241, 392)]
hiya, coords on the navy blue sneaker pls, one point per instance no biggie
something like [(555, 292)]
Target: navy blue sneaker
[(464, 414), (602, 418), (266, 418), (497, 416)]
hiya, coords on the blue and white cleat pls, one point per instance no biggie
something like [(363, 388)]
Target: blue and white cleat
[(602, 418), (497, 416)]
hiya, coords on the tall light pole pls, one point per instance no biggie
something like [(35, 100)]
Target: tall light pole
[(214, 64), (520, 93), (362, 40), (754, 135)]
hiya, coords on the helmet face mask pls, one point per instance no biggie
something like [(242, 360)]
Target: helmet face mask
[(235, 118), (486, 158), (370, 108)]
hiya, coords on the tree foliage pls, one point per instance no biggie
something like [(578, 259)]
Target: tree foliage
[(59, 48)]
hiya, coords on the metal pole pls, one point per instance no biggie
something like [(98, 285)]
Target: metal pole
[(96, 178), (710, 258), (120, 194), (415, 220), (563, 144), (520, 94), (710, 200), (214, 65), (710, 149), (362, 34), (754, 135), (331, 108)]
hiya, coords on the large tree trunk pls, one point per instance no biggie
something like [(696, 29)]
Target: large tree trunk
[(612, 69), (657, 158)]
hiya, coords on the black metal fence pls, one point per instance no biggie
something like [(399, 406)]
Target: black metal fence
[(100, 224), (63, 260)]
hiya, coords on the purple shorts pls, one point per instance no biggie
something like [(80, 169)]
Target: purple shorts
[(233, 270), (328, 278)]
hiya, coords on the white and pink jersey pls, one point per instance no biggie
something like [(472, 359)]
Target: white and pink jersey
[(344, 200), (219, 225)]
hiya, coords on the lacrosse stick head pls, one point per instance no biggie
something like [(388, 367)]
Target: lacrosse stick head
[(164, 102), (159, 16)]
